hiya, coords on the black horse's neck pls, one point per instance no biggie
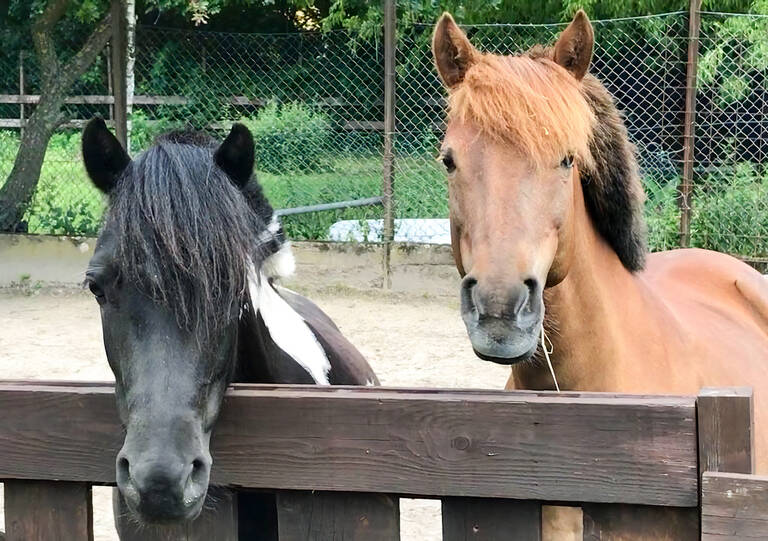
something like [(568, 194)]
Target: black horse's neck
[(259, 359)]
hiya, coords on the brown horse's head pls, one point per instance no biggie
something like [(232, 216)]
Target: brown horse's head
[(519, 131)]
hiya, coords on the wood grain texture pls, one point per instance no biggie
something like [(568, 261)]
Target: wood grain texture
[(620, 522), (218, 521), (484, 519), (734, 507), (726, 430), (535, 446), (337, 516), (41, 510)]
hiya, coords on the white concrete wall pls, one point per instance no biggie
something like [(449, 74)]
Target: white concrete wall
[(418, 269)]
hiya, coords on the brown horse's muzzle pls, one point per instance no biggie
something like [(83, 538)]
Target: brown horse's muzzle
[(503, 323)]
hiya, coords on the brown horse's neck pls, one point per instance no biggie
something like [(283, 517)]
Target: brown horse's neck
[(585, 314)]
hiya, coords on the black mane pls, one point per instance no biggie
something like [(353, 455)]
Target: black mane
[(186, 233), (613, 192)]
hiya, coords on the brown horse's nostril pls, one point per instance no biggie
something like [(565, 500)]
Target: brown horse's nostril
[(467, 297), (487, 300), (532, 284)]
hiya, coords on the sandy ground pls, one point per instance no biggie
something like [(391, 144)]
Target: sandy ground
[(409, 341)]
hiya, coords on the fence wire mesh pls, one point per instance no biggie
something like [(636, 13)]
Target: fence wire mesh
[(315, 102)]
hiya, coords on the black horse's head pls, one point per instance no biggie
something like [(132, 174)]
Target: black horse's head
[(170, 273)]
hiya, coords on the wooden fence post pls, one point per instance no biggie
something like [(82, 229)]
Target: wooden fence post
[(387, 185), (337, 516), (48, 510), (726, 431), (689, 128), (119, 52), (486, 519)]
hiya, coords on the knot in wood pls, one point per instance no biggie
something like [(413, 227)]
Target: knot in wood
[(460, 442)]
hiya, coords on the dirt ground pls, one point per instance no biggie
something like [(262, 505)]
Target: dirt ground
[(409, 341)]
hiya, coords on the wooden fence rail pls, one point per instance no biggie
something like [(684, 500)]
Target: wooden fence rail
[(338, 458)]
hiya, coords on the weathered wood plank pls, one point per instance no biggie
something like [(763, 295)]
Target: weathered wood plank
[(337, 516), (618, 522), (218, 521), (726, 430), (343, 389), (509, 445), (48, 510), (484, 519), (734, 507)]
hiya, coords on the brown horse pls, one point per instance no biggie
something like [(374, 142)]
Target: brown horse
[(546, 215)]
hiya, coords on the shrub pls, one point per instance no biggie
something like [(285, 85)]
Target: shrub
[(144, 130), (66, 202), (731, 213), (291, 137), (662, 213)]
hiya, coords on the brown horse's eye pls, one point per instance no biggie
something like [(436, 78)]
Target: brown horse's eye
[(449, 164), (567, 162)]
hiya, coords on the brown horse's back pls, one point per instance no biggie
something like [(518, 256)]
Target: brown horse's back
[(715, 310)]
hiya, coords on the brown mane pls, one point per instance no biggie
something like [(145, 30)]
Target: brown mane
[(534, 104)]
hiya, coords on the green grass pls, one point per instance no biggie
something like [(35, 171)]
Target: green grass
[(730, 206), (66, 203)]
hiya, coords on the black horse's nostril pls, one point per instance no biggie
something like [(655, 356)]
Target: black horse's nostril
[(123, 469), (199, 471)]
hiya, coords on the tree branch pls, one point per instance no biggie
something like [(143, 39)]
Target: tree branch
[(78, 64), (42, 38)]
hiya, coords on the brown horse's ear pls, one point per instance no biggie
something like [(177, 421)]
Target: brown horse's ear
[(573, 49), (453, 52)]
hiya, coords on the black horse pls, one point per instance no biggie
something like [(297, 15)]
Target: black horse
[(185, 274)]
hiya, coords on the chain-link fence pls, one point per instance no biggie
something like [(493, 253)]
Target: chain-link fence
[(316, 105)]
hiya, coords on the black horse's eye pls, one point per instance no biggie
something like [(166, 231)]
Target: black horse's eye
[(97, 292), (567, 161), (448, 162)]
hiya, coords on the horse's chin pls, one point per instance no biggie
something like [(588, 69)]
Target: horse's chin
[(505, 360), (168, 515), (510, 347), (179, 516)]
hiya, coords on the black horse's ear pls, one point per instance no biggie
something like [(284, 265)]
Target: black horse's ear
[(105, 158), (236, 155)]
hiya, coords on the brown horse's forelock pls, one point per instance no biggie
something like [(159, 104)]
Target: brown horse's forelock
[(537, 106), (531, 103), (186, 234)]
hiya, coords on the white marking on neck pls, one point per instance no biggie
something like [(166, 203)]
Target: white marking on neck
[(281, 264), (287, 328)]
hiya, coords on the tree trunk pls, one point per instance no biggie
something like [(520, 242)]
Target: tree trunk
[(19, 188), (17, 191)]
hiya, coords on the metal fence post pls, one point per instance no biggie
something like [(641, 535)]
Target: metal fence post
[(387, 184), (119, 50), (686, 183), (21, 93)]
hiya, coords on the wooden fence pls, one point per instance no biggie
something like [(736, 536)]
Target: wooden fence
[(339, 457)]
